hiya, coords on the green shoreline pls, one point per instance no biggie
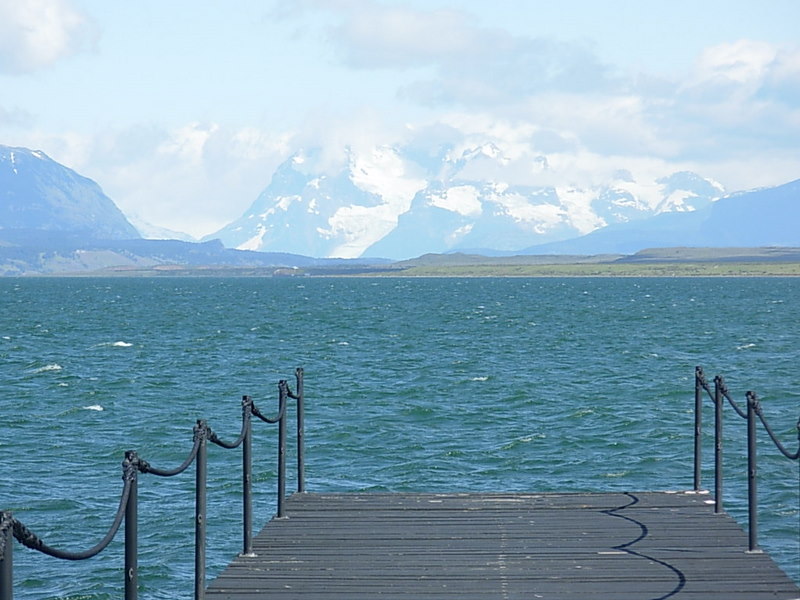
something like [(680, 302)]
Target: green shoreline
[(589, 269), (654, 262), (701, 269)]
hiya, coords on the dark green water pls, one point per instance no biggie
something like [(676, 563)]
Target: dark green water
[(428, 385)]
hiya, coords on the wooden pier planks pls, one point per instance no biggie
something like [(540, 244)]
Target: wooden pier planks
[(615, 546)]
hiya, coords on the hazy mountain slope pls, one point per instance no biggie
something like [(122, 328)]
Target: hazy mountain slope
[(38, 193), (764, 217)]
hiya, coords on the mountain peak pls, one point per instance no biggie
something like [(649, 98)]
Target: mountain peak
[(37, 193), (398, 203)]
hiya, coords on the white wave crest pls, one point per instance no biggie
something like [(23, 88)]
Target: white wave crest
[(122, 344), (96, 407), (50, 367), (745, 346), (481, 378)]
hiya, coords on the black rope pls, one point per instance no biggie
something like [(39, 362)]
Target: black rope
[(247, 411), (132, 463), (200, 433), (736, 407), (760, 412), (212, 437), (29, 539), (283, 390)]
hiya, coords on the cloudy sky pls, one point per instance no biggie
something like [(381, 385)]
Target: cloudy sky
[(181, 110)]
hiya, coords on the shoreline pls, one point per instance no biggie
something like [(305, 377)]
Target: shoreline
[(719, 269)]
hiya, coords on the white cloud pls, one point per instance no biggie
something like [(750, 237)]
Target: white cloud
[(460, 62), (35, 34), (741, 65), (378, 36), (14, 117), (194, 178), (741, 97)]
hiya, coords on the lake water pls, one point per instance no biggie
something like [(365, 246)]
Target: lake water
[(412, 384)]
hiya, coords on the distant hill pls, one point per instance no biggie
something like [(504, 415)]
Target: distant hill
[(32, 252), (649, 255), (37, 193), (764, 217)]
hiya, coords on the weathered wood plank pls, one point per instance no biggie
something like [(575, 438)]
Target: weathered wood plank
[(596, 546)]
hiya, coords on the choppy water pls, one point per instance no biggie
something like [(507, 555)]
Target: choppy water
[(411, 384)]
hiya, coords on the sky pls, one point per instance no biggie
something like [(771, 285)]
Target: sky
[(182, 110)]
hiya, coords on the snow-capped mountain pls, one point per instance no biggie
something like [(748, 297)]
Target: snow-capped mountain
[(766, 217), (391, 203), (326, 215)]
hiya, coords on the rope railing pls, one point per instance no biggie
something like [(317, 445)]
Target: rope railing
[(132, 464), (752, 413)]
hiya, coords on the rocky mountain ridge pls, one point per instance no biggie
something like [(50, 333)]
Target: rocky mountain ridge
[(391, 204)]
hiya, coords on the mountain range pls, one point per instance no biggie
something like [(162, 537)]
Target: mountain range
[(388, 203), (53, 220)]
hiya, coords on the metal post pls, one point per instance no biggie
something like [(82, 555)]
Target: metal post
[(301, 468), (6, 556), (130, 472), (752, 492), (247, 477), (698, 426), (201, 433), (719, 386), (283, 392)]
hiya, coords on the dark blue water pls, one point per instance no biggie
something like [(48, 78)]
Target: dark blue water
[(411, 384)]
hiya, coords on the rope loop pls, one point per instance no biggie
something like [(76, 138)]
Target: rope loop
[(700, 374), (30, 540), (283, 388), (719, 381), (739, 411), (132, 464), (247, 410), (752, 400), (201, 430), (146, 467)]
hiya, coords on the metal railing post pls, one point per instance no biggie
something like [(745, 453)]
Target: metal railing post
[(752, 472), (719, 399), (698, 426), (247, 477), (301, 468), (6, 556), (201, 433), (130, 473), (283, 393)]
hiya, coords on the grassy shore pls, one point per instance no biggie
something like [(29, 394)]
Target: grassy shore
[(680, 269)]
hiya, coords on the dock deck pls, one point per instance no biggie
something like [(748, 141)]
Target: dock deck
[(615, 546)]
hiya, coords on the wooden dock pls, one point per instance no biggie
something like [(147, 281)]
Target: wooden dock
[(615, 546)]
